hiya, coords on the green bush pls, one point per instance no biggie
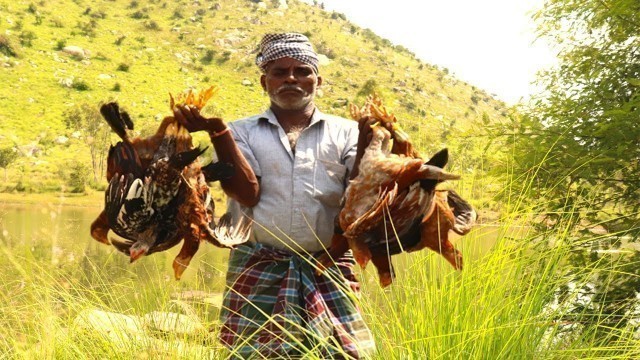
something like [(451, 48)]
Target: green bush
[(27, 37), (152, 25), (78, 178), (80, 85), (119, 40), (208, 56), (57, 22), (60, 44), (88, 28), (123, 67), (6, 47), (140, 15)]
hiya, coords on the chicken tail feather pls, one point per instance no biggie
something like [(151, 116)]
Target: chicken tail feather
[(465, 215), (229, 235), (119, 121), (182, 159)]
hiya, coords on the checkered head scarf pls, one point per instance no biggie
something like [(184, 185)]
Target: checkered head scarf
[(293, 45)]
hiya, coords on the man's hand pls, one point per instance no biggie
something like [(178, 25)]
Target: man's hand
[(365, 133), (190, 118)]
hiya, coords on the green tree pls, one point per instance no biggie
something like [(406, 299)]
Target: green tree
[(86, 118), (77, 179), (581, 136), (577, 145), (7, 156)]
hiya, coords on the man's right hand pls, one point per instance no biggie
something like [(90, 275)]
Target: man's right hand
[(192, 120)]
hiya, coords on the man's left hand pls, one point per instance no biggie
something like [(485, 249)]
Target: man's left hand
[(190, 118)]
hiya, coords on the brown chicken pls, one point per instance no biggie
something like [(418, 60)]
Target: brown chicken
[(158, 191), (392, 206)]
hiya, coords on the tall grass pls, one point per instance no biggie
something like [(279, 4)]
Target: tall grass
[(503, 305)]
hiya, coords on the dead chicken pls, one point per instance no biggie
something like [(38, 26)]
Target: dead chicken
[(392, 205), (158, 193)]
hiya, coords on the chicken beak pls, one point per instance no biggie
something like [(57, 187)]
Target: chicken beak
[(179, 266), (430, 172), (136, 254)]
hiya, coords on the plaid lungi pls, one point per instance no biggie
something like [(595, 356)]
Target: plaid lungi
[(276, 306)]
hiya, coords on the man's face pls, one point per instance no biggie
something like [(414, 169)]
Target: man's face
[(291, 84)]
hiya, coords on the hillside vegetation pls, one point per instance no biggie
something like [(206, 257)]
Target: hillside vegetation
[(137, 52)]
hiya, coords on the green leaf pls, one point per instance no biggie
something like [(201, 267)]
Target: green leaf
[(634, 82)]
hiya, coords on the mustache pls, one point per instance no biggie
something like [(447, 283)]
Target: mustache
[(287, 87)]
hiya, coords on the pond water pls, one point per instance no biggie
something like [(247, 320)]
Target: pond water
[(59, 236)]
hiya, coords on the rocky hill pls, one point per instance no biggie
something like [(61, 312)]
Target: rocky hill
[(60, 59)]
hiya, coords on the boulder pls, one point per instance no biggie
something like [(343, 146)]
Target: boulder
[(29, 150), (76, 51), (108, 322), (173, 323), (323, 60), (66, 82), (214, 299)]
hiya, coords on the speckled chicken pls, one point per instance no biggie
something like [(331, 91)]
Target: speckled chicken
[(158, 192), (392, 205)]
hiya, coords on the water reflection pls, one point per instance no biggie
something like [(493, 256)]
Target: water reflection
[(59, 236)]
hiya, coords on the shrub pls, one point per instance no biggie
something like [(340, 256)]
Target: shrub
[(88, 28), (119, 40), (57, 22), (80, 85), (140, 15), (78, 177), (22, 187), (208, 56), (100, 14), (60, 44), (177, 14), (323, 48), (123, 67), (27, 37), (337, 15), (6, 47), (369, 87), (152, 25), (225, 57), (116, 87)]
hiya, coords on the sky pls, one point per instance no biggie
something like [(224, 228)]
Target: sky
[(488, 43)]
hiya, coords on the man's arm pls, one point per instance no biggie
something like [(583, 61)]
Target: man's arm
[(243, 185)]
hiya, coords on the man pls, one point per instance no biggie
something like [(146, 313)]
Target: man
[(276, 304)]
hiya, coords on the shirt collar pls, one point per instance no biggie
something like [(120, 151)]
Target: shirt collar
[(271, 117)]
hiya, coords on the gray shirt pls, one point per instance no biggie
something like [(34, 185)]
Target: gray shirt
[(300, 191)]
